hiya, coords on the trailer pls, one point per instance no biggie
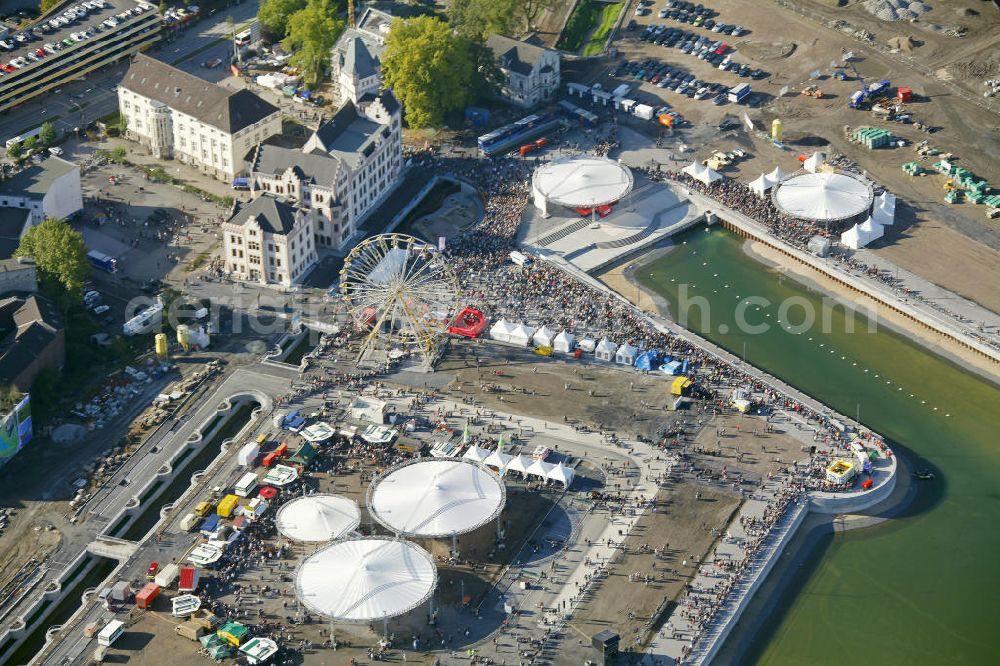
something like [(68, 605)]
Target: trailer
[(246, 485), (247, 456), (740, 93), (188, 581), (146, 596), (189, 521), (166, 576), (103, 262), (227, 506)]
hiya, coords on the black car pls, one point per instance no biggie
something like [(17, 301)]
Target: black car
[(708, 24), (758, 74), (631, 25), (744, 71)]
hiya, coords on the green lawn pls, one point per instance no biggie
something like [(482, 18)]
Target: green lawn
[(605, 23), (582, 22)]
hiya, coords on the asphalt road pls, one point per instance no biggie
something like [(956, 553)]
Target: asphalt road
[(80, 102)]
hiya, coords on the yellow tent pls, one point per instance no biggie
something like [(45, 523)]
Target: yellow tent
[(680, 386)]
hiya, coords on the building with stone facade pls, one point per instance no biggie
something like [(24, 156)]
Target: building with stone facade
[(269, 241)]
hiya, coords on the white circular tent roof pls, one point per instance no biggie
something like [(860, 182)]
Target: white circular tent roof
[(363, 579), (436, 497), (823, 196), (317, 518), (582, 181)]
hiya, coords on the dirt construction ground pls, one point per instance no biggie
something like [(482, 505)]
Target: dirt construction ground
[(626, 606), (946, 74)]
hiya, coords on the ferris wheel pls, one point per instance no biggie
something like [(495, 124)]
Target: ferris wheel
[(401, 291)]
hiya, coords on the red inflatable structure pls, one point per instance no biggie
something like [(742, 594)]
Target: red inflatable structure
[(469, 323)]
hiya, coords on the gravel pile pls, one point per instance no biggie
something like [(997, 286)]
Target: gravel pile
[(896, 10)]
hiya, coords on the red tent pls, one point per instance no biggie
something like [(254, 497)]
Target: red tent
[(268, 492), (469, 323)]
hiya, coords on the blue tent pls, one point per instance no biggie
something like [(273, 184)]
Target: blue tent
[(648, 360), (671, 367)]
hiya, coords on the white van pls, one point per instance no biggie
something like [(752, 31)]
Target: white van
[(520, 258), (110, 633)]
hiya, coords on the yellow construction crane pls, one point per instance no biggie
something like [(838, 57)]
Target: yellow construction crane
[(350, 14)]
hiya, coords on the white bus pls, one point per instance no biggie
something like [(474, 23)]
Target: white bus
[(246, 484), (739, 93), (22, 137), (110, 633)]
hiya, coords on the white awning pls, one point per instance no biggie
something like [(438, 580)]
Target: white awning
[(520, 334), (317, 518), (776, 176), (761, 184), (361, 580), (814, 162), (501, 330)]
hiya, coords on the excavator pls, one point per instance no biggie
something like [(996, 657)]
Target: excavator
[(812, 91)]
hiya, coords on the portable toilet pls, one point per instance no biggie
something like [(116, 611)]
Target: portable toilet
[(161, 345), (776, 129)]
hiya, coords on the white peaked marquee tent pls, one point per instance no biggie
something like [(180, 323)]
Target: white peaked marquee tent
[(543, 337), (884, 210), (501, 330), (476, 453), (701, 173), (814, 162), (498, 459), (317, 518), (562, 474), (606, 350), (361, 580), (563, 342), (540, 468), (626, 354), (436, 497), (776, 176), (519, 463), (872, 229), (761, 185), (521, 334), (587, 344)]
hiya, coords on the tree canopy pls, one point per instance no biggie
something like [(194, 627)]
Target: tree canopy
[(274, 15), (429, 67), (15, 150), (311, 33), (60, 257), (477, 19), (47, 134)]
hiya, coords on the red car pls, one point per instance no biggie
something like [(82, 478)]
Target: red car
[(151, 571), (40, 53), (722, 49)]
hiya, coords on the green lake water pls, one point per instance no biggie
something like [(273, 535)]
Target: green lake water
[(924, 588)]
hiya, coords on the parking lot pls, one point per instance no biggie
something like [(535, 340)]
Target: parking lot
[(681, 56)]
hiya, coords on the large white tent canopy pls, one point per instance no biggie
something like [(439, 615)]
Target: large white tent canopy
[(543, 336), (521, 334), (562, 474), (823, 196), (436, 497), (476, 453), (317, 518), (361, 580), (814, 162), (777, 175), (580, 181), (498, 459)]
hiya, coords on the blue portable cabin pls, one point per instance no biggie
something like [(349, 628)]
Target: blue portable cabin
[(210, 525)]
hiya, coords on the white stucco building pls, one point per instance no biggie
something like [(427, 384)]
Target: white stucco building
[(177, 115), (269, 241), (355, 66), (531, 73)]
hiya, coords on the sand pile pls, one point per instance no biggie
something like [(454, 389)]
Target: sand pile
[(903, 43), (896, 10)]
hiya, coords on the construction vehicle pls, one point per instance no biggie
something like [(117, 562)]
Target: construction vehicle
[(867, 92), (812, 91), (949, 185)]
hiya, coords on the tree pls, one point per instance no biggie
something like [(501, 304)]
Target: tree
[(46, 5), (31, 142), (48, 134), (60, 258), (311, 34), (529, 10), (274, 15), (477, 19), (15, 150), (428, 67), (163, 7), (118, 154)]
